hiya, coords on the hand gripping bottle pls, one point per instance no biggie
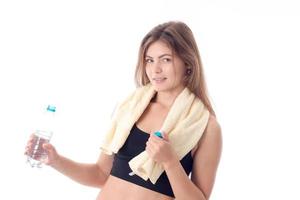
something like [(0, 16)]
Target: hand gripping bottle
[(41, 136)]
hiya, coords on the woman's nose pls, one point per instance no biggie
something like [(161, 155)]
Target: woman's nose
[(157, 67)]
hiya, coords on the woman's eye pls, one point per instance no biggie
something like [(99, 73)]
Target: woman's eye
[(149, 60), (166, 59)]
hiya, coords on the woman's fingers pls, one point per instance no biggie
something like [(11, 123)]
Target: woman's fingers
[(51, 154), (29, 145)]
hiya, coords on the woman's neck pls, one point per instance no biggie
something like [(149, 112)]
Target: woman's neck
[(166, 99)]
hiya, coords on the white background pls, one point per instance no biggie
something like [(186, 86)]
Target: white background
[(81, 56)]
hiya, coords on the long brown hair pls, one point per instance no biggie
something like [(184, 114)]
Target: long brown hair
[(179, 37)]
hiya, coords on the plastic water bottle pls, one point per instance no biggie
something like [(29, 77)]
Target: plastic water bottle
[(42, 135)]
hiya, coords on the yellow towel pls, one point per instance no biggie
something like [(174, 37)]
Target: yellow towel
[(184, 124)]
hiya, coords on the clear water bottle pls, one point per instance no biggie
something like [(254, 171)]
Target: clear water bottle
[(41, 136)]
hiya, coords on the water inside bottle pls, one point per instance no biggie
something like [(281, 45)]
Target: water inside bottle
[(37, 152)]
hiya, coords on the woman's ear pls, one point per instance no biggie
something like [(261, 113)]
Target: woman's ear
[(188, 71)]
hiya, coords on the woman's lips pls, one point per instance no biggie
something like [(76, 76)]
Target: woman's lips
[(159, 80)]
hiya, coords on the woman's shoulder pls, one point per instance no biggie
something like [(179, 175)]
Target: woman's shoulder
[(213, 126), (212, 134)]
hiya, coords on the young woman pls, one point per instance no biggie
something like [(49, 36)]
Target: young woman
[(169, 61)]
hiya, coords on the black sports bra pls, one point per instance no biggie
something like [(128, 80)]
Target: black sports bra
[(134, 145)]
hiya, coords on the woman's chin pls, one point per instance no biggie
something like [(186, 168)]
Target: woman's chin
[(160, 88)]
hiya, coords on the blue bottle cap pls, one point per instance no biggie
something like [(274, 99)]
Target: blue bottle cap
[(158, 134), (51, 108)]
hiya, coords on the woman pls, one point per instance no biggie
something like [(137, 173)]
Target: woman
[(169, 62)]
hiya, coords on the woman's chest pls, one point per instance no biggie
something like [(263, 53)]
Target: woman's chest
[(152, 119)]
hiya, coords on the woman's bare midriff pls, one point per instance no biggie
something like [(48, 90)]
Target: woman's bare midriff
[(116, 189)]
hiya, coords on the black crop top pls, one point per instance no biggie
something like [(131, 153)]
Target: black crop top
[(134, 145)]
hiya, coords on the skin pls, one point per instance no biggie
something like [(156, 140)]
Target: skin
[(161, 63)]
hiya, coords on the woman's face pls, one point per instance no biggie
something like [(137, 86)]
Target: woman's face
[(165, 70)]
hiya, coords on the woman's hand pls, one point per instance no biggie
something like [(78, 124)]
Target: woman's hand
[(161, 151), (52, 155)]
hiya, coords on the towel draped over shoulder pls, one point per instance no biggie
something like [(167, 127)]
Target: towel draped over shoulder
[(184, 124)]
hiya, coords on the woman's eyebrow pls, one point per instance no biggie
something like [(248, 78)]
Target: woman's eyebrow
[(166, 54)]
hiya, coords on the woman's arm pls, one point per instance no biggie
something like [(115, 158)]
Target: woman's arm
[(94, 175), (206, 160)]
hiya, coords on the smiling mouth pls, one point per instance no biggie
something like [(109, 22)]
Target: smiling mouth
[(159, 79)]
